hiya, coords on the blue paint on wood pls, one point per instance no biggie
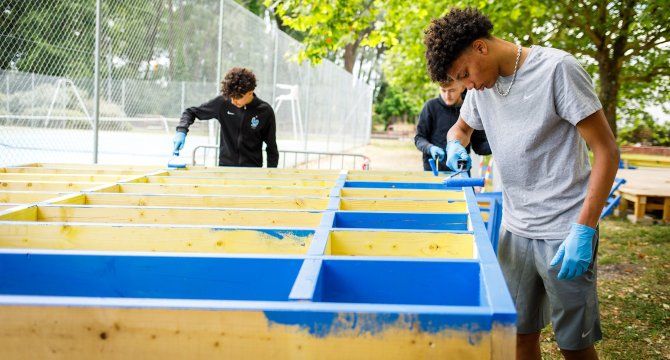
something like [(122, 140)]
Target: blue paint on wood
[(394, 185), (410, 221), (279, 234), (148, 277), (323, 324), (401, 282)]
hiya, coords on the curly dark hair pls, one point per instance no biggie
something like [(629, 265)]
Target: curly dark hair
[(447, 37), (237, 82)]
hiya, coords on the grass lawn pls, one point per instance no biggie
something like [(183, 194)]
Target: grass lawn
[(634, 292)]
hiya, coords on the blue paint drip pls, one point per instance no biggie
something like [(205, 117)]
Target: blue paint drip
[(324, 324), (281, 233)]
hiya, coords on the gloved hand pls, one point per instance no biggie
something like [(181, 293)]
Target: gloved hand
[(179, 140), (436, 151), (455, 152), (576, 252)]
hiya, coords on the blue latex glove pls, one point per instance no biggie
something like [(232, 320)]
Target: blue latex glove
[(576, 252), (179, 140), (455, 152), (436, 152)]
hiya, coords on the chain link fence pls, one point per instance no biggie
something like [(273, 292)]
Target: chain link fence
[(155, 58)]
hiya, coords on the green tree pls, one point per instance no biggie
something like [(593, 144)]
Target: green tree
[(330, 26), (623, 43)]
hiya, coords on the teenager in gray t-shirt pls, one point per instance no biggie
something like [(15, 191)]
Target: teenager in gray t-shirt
[(539, 110)]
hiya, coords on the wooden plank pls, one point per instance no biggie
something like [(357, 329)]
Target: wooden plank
[(59, 236), (71, 199), (93, 166), (385, 243), (241, 175), (60, 177), (395, 178), (19, 213), (401, 194), (256, 171), (26, 197), (216, 181), (241, 190), (212, 201), (159, 333), (143, 215), (97, 171), (62, 186), (403, 205), (666, 209)]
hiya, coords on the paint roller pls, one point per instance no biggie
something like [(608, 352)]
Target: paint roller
[(174, 161), (450, 181)]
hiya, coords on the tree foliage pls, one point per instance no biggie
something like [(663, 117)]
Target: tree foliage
[(622, 43)]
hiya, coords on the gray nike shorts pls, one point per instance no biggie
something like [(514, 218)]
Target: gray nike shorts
[(572, 305)]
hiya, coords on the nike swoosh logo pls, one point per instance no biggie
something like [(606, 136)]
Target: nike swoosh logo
[(586, 334), (527, 96), (229, 113)]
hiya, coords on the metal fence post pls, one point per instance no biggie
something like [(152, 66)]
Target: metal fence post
[(96, 82)]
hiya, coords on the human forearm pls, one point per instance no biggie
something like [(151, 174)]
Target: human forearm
[(595, 130), (461, 131), (603, 172)]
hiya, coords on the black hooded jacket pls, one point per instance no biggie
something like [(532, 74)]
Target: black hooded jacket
[(243, 130), (434, 122)]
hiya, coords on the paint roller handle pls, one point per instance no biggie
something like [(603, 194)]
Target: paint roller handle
[(463, 182)]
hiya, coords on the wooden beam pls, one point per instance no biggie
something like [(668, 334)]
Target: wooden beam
[(403, 205), (402, 194), (62, 186), (385, 243), (199, 216), (212, 201), (185, 189), (61, 236), (217, 181)]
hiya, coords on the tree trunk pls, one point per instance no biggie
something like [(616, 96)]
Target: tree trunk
[(350, 57), (609, 89)]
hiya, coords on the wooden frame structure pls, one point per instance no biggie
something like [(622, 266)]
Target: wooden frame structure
[(109, 262)]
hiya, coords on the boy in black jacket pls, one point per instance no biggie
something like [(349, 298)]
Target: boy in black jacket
[(437, 117), (246, 122)]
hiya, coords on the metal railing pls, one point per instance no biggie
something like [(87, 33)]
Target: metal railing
[(294, 159)]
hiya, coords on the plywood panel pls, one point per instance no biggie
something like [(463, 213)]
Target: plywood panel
[(403, 205), (385, 243)]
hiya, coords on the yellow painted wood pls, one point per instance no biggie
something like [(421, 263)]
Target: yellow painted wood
[(234, 175), (99, 171), (240, 190), (19, 213), (257, 171), (403, 205), (47, 185), (402, 194), (217, 181), (70, 199), (386, 243), (392, 173), (155, 333), (26, 197), (213, 201), (94, 167), (149, 238), (4, 207), (143, 215), (394, 178), (61, 177)]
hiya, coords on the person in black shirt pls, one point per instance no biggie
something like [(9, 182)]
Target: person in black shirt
[(437, 117), (246, 122)]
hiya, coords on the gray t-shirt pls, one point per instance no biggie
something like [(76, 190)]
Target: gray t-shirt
[(542, 159)]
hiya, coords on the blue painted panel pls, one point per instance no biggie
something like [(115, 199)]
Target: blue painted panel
[(148, 277), (395, 185), (400, 282), (414, 221)]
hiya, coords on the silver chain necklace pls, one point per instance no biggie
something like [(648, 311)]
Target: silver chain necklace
[(516, 64)]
